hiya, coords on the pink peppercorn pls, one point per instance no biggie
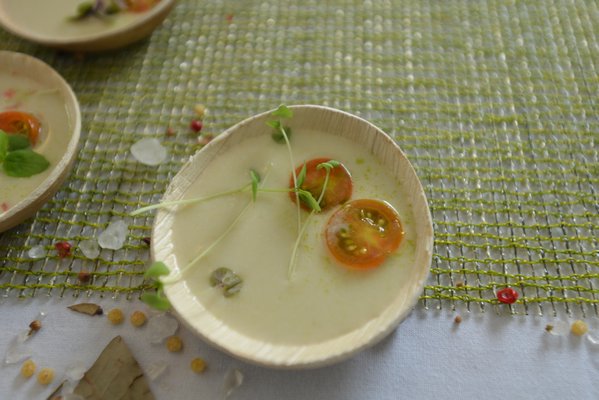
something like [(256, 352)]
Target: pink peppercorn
[(507, 295), (63, 249), (196, 125)]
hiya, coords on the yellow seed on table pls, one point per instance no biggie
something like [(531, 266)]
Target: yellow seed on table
[(579, 327), (28, 369), (174, 344), (115, 316), (200, 110), (45, 376), (138, 318), (198, 365)]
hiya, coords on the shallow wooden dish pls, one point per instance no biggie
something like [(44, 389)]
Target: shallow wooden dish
[(45, 76), (199, 318), (76, 36)]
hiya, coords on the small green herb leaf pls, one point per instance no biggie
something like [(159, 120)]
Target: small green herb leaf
[(112, 8), (3, 145), (309, 200), (301, 177), (328, 165), (156, 270), (17, 142), (279, 135), (275, 124), (84, 10), (255, 181), (24, 163), (156, 301), (282, 112)]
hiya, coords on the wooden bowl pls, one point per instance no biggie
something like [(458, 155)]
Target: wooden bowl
[(215, 331), (96, 36), (43, 76)]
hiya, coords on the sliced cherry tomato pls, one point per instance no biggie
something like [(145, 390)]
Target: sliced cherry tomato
[(20, 123), (339, 187), (362, 233), (140, 5)]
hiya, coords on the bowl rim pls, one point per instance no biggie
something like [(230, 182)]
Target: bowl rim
[(56, 41), (295, 356), (42, 193)]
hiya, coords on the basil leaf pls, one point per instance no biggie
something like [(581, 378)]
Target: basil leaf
[(17, 142), (156, 301), (282, 112), (3, 146), (157, 270), (24, 163)]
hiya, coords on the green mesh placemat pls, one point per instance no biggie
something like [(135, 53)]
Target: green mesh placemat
[(494, 102)]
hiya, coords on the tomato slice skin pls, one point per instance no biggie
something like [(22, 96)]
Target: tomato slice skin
[(140, 5), (21, 123), (339, 187), (363, 233)]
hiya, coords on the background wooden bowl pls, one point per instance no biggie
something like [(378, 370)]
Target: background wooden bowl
[(109, 39), (215, 331)]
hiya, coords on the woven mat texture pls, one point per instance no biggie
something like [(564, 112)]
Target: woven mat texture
[(494, 102)]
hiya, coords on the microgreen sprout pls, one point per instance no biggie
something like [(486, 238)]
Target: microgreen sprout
[(283, 112), (218, 239), (157, 300), (328, 165), (301, 176), (313, 204), (255, 176)]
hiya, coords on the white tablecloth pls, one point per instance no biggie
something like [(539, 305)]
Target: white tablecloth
[(428, 357)]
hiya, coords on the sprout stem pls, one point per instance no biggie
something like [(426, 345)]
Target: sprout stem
[(293, 174), (188, 201)]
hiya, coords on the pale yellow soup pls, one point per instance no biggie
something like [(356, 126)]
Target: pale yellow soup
[(51, 18), (322, 300), (22, 93)]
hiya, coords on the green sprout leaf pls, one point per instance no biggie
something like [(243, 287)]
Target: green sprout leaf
[(309, 200), (255, 181), (328, 165), (301, 177), (275, 124), (156, 301), (279, 135), (282, 112), (24, 163), (4, 145), (157, 270)]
